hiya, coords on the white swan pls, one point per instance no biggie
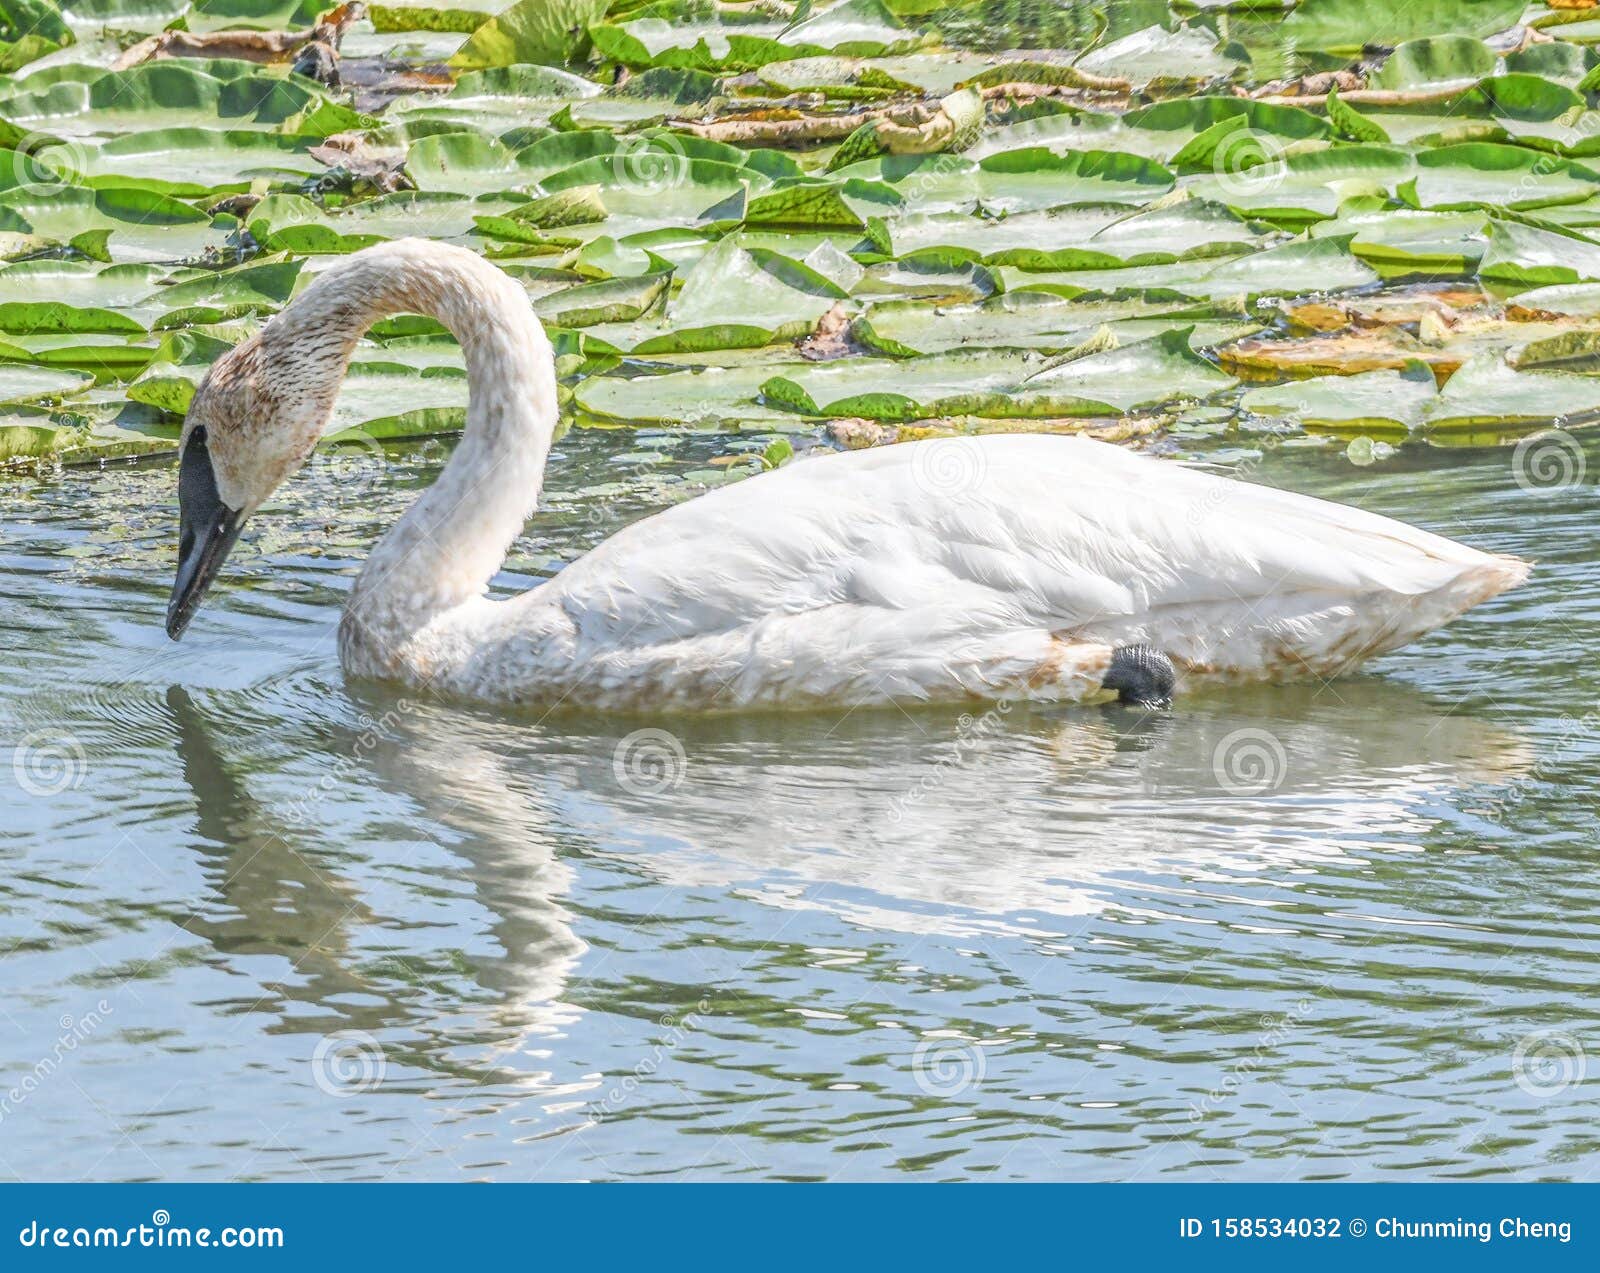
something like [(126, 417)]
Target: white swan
[(948, 570)]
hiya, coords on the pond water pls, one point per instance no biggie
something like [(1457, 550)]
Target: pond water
[(258, 924)]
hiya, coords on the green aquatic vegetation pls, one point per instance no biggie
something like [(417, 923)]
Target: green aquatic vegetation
[(1387, 405), (1003, 382), (538, 31), (1487, 399), (24, 384), (1346, 26), (30, 29), (1036, 320), (190, 163), (1163, 59), (764, 216)]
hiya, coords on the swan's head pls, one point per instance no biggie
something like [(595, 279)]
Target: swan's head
[(255, 419)]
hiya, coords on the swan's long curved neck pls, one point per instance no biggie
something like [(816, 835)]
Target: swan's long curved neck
[(443, 552)]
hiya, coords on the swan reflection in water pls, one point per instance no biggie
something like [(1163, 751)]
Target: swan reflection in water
[(928, 823), (280, 889), (939, 821)]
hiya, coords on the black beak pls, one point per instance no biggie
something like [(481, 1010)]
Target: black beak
[(207, 531)]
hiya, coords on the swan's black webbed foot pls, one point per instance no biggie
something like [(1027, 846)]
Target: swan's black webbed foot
[(1141, 675)]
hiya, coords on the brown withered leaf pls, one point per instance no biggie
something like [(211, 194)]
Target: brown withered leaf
[(1316, 85), (1444, 343), (780, 127), (1344, 354), (382, 168), (1394, 309), (378, 81), (246, 46), (856, 434), (831, 338), (236, 205)]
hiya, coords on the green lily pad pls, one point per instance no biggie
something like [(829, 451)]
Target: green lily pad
[(1521, 256), (1387, 405), (30, 29), (1189, 53), (1075, 238), (76, 284), (498, 99), (164, 94), (1434, 62), (709, 398), (608, 301), (541, 31), (1184, 119), (1013, 181), (1497, 176), (387, 400), (1398, 241), (191, 162), (857, 28), (141, 224), (1030, 320), (1001, 383), (291, 223), (463, 16), (1307, 187), (1487, 399), (39, 384), (463, 163), (1298, 267), (1347, 26), (734, 297), (1577, 300), (933, 74)]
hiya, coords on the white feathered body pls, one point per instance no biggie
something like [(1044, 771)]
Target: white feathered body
[(951, 570)]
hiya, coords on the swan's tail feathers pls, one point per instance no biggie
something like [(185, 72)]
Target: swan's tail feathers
[(1495, 576), (1482, 581), (1330, 633), (1412, 617)]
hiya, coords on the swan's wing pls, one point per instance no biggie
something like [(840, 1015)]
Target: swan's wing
[(898, 552)]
